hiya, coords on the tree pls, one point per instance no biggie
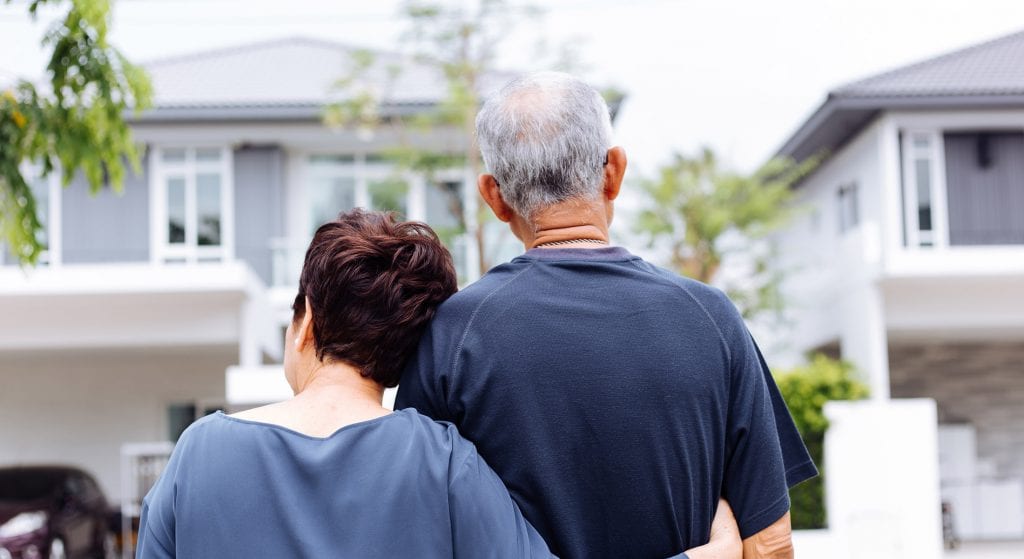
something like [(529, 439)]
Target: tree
[(706, 214), (74, 124), (460, 42)]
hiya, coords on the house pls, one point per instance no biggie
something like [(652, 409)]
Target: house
[(909, 261), (146, 299)]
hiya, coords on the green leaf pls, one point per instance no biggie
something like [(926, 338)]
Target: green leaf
[(78, 123)]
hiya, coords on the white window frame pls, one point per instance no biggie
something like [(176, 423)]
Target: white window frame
[(162, 251), (938, 237), (54, 247)]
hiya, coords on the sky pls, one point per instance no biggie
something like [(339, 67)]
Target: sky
[(738, 76)]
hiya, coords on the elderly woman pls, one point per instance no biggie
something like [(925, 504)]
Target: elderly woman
[(330, 472)]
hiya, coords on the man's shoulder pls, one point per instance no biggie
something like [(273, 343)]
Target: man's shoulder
[(699, 291), (467, 300), (712, 300)]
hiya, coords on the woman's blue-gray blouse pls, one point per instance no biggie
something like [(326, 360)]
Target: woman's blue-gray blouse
[(396, 486)]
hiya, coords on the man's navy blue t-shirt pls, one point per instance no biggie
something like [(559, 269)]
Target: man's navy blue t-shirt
[(616, 400)]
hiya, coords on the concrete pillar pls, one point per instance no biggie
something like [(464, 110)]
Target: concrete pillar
[(891, 189), (249, 324)]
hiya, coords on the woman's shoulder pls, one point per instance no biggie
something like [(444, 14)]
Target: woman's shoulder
[(201, 433), (200, 428), (442, 437), (420, 425)]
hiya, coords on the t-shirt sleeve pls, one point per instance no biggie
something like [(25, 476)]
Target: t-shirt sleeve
[(425, 377), (485, 521), (798, 463), (763, 450)]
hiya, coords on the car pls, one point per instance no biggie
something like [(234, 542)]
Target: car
[(55, 512)]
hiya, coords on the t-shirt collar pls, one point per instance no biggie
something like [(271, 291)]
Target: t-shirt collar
[(605, 254)]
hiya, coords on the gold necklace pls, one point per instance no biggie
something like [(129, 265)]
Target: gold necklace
[(572, 242)]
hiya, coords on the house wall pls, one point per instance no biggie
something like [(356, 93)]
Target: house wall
[(956, 258), (109, 227), (822, 263), (259, 205), (79, 407), (986, 198), (980, 383)]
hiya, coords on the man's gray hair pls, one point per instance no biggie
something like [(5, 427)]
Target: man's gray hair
[(545, 138)]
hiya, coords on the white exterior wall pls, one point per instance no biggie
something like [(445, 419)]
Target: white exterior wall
[(831, 291), (876, 296), (865, 287), (942, 261), (79, 407)]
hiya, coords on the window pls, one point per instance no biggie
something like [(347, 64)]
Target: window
[(849, 207), (335, 183), (192, 204), (444, 210), (338, 183), (389, 195), (923, 188)]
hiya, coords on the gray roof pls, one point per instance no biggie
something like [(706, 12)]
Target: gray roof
[(989, 75), (286, 79)]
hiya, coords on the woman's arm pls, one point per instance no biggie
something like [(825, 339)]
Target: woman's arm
[(485, 521), (157, 526), (156, 531), (725, 537)]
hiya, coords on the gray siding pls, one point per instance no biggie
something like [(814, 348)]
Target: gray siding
[(985, 188), (108, 227), (259, 206)]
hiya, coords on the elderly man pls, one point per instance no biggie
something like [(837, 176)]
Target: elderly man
[(616, 400)]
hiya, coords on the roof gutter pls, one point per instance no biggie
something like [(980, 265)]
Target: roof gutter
[(834, 105), (269, 112), (230, 113)]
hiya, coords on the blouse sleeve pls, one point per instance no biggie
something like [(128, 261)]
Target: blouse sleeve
[(156, 533), (485, 521), (157, 523)]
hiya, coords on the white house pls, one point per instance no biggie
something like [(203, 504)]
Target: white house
[(146, 299), (910, 260)]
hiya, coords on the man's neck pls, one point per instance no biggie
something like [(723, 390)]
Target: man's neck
[(572, 220)]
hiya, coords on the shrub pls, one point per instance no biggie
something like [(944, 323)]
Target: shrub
[(806, 389)]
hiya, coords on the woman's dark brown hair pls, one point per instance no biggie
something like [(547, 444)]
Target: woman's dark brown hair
[(373, 286)]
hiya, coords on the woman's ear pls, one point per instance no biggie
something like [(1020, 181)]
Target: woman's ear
[(304, 332)]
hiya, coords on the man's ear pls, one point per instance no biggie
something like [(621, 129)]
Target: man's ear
[(304, 333), (491, 194), (614, 171)]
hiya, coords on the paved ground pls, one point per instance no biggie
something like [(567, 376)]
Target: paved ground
[(988, 550)]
